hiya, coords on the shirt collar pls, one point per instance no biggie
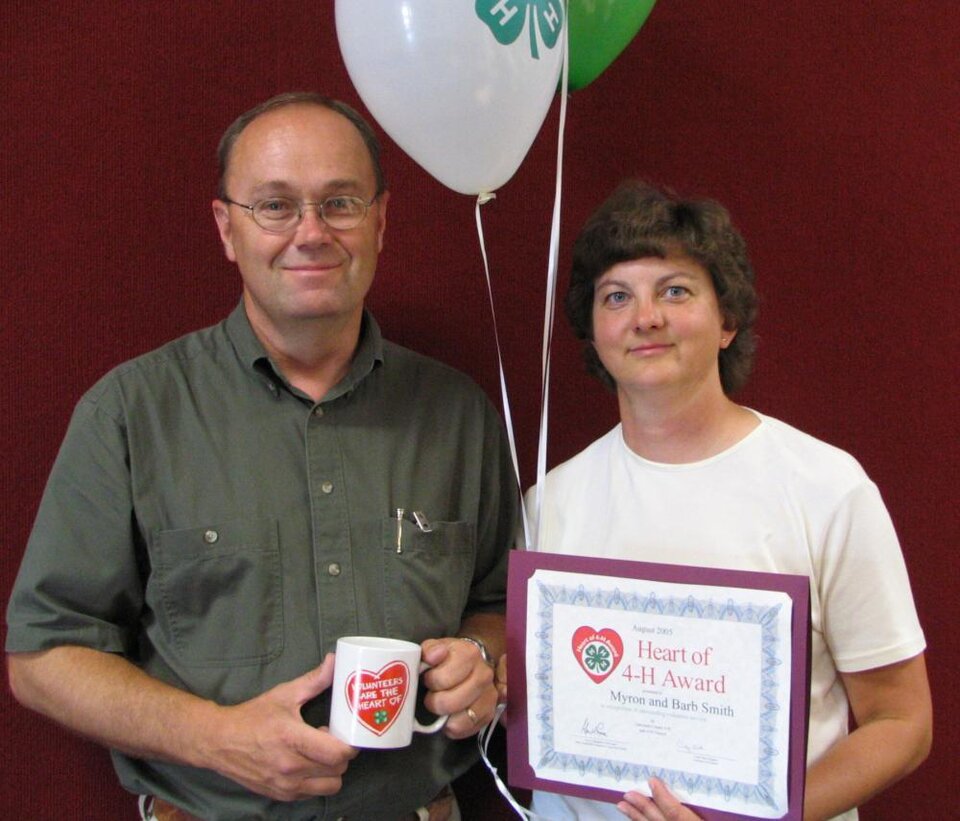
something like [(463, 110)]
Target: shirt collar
[(250, 350)]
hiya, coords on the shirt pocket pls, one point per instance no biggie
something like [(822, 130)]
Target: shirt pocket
[(427, 584), (221, 592)]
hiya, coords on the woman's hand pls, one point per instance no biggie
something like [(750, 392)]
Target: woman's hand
[(662, 807)]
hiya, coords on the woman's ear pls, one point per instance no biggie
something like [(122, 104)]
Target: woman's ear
[(727, 336)]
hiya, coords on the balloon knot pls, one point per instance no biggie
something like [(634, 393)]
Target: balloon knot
[(485, 197)]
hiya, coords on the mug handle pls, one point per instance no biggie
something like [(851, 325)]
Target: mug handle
[(434, 726)]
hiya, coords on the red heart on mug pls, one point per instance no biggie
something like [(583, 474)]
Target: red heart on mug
[(598, 651), (377, 698)]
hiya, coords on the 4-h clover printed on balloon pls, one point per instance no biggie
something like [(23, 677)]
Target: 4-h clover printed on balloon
[(462, 87), (507, 19)]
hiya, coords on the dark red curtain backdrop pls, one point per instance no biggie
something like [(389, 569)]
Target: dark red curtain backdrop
[(829, 129)]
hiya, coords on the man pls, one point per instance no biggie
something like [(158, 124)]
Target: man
[(226, 507)]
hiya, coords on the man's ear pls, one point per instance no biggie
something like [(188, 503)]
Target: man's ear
[(221, 213), (382, 219)]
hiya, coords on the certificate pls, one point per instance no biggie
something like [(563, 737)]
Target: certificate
[(627, 670)]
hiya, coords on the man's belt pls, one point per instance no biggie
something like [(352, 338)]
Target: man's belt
[(439, 809)]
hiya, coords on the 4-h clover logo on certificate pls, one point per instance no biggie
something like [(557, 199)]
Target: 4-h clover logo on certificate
[(597, 658), (598, 651), (507, 19)]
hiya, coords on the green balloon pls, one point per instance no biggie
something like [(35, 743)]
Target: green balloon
[(599, 31)]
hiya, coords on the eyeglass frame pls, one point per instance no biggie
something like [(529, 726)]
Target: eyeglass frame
[(302, 209)]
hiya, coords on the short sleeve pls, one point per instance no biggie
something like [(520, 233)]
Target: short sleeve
[(869, 616), (79, 581)]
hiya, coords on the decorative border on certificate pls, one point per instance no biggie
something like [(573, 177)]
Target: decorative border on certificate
[(697, 676)]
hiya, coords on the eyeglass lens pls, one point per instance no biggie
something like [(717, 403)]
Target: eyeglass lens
[(282, 213)]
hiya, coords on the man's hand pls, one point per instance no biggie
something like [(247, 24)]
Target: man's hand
[(662, 807), (265, 744), (500, 679), (460, 684), (500, 682)]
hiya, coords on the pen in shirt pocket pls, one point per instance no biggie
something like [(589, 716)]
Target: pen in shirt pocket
[(418, 517)]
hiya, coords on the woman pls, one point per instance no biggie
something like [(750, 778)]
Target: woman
[(662, 294)]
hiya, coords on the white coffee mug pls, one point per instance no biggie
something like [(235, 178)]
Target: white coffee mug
[(375, 692)]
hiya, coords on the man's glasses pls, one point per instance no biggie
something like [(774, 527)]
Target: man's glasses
[(280, 214)]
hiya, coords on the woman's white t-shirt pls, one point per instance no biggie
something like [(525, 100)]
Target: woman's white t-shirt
[(778, 501)]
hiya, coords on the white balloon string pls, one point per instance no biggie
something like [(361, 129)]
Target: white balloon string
[(507, 416), (549, 310), (483, 742), (483, 739)]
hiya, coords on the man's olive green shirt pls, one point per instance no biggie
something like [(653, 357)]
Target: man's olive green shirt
[(220, 529)]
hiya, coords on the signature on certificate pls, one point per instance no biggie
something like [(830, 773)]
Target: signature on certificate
[(700, 753), (596, 728)]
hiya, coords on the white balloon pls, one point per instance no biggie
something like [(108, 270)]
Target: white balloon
[(462, 86)]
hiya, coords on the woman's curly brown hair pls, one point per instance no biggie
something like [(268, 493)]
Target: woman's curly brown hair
[(639, 221)]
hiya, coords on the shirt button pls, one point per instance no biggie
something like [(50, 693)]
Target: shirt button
[(318, 411), (210, 536), (333, 569), (327, 487)]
